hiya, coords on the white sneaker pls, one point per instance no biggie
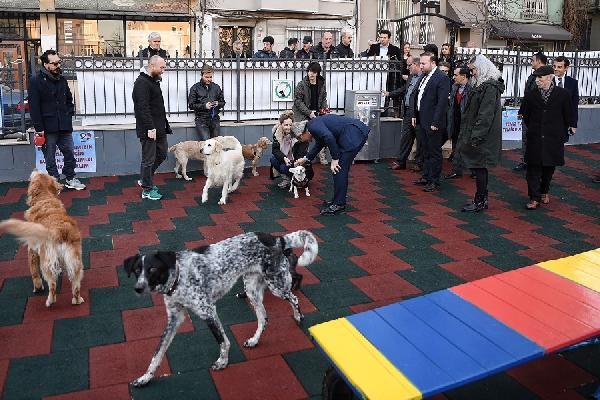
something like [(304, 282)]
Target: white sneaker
[(139, 182), (74, 184)]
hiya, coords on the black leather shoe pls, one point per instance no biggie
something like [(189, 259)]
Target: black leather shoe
[(431, 187), (520, 167), (421, 181), (327, 202), (333, 209), (453, 175)]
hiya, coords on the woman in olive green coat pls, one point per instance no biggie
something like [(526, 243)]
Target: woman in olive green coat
[(480, 137)]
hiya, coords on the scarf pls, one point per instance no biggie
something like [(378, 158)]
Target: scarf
[(286, 146), (546, 93)]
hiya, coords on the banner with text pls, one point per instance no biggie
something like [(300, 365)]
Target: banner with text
[(85, 153), (511, 125)]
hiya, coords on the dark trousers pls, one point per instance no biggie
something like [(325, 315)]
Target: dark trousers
[(280, 166), (481, 179), (538, 181), (340, 180), (523, 141), (64, 141), (208, 128), (432, 149), (457, 165), (409, 134), (154, 152)]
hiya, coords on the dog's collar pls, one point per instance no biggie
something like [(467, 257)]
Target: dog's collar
[(175, 281)]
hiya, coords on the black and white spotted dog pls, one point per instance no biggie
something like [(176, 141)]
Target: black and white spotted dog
[(197, 279)]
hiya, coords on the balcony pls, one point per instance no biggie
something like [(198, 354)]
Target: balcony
[(534, 10)]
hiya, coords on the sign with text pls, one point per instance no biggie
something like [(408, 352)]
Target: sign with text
[(511, 125), (85, 153), (283, 90)]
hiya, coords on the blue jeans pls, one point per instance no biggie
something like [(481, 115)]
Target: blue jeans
[(280, 166), (64, 141), (207, 128)]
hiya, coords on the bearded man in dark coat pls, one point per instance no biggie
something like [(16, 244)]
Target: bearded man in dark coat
[(548, 113)]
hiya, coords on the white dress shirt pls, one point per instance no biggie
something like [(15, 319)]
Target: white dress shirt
[(422, 86)]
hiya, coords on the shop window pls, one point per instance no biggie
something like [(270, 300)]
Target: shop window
[(175, 36), (81, 37)]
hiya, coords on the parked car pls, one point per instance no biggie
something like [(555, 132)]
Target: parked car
[(11, 112)]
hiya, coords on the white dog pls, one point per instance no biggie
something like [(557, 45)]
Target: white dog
[(299, 180), (224, 165)]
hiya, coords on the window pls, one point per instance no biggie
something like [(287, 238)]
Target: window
[(81, 37), (175, 36), (534, 9)]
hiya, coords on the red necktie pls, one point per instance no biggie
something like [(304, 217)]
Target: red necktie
[(459, 96)]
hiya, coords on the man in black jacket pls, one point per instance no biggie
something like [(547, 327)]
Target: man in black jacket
[(290, 51), (151, 123), (306, 51), (267, 51), (51, 109), (343, 49), (325, 46), (393, 53), (206, 99), (153, 48)]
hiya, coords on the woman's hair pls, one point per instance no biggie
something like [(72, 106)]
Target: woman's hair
[(287, 114), (486, 69)]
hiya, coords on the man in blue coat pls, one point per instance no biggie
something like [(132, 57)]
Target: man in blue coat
[(51, 109), (345, 137)]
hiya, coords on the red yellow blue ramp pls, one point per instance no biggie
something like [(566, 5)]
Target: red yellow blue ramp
[(430, 344)]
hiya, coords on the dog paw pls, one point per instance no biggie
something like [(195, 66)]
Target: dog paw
[(76, 301), (296, 196), (219, 364), (177, 176), (142, 380), (255, 173), (307, 194), (187, 178), (251, 343), (204, 199), (222, 202)]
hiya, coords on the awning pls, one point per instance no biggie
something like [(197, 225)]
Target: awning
[(516, 30), (464, 11)]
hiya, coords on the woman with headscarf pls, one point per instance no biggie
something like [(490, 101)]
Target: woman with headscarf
[(480, 137), (287, 148)]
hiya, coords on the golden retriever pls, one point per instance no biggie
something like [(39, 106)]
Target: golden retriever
[(224, 165), (53, 238), (183, 151), (255, 151)]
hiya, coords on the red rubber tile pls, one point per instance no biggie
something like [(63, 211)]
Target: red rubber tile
[(530, 239), (449, 233), (385, 286), (470, 270), (36, 309), (3, 373), (282, 335), (376, 241), (123, 362), (461, 250), (150, 322), (266, 378), (116, 392), (106, 259), (370, 228), (26, 339), (369, 306), (542, 253), (380, 262), (549, 376)]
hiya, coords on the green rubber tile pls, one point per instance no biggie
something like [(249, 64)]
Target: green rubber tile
[(8, 248), (482, 228), (198, 350), (334, 294), (575, 247), (497, 244), (263, 223), (118, 224), (496, 387), (508, 261), (309, 366), (430, 279), (233, 310), (86, 332), (22, 287), (106, 300), (414, 239), (96, 243), (171, 240), (323, 315), (586, 357), (6, 186), (196, 384), (40, 376), (425, 257), (12, 309), (7, 210)]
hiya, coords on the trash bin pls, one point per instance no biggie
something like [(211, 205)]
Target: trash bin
[(365, 105)]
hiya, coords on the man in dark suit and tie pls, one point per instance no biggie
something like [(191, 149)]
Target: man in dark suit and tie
[(431, 106), (345, 137), (560, 67), (393, 53)]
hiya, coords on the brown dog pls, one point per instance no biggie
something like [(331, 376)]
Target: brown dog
[(254, 152), (183, 151), (52, 236)]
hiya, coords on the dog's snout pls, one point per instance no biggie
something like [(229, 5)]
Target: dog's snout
[(139, 288)]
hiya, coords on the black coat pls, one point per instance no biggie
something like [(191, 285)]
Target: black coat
[(434, 102), (320, 51), (149, 107), (342, 51), (50, 103), (287, 53), (149, 52), (546, 126)]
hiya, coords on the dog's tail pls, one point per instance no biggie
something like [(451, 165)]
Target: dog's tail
[(307, 241), (29, 232)]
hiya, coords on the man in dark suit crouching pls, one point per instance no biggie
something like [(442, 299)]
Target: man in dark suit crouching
[(345, 137), (431, 106)]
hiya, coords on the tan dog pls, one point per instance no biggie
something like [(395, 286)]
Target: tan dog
[(183, 151), (255, 151), (52, 236)]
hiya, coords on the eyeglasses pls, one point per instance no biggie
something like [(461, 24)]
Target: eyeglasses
[(55, 63), (472, 69)]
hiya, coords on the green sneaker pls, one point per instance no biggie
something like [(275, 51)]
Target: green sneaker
[(151, 194)]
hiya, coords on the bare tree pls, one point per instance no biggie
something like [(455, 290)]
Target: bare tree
[(575, 18)]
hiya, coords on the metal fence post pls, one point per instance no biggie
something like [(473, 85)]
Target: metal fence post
[(516, 77), (238, 80)]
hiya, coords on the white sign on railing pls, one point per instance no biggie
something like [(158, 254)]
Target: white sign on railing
[(84, 149)]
